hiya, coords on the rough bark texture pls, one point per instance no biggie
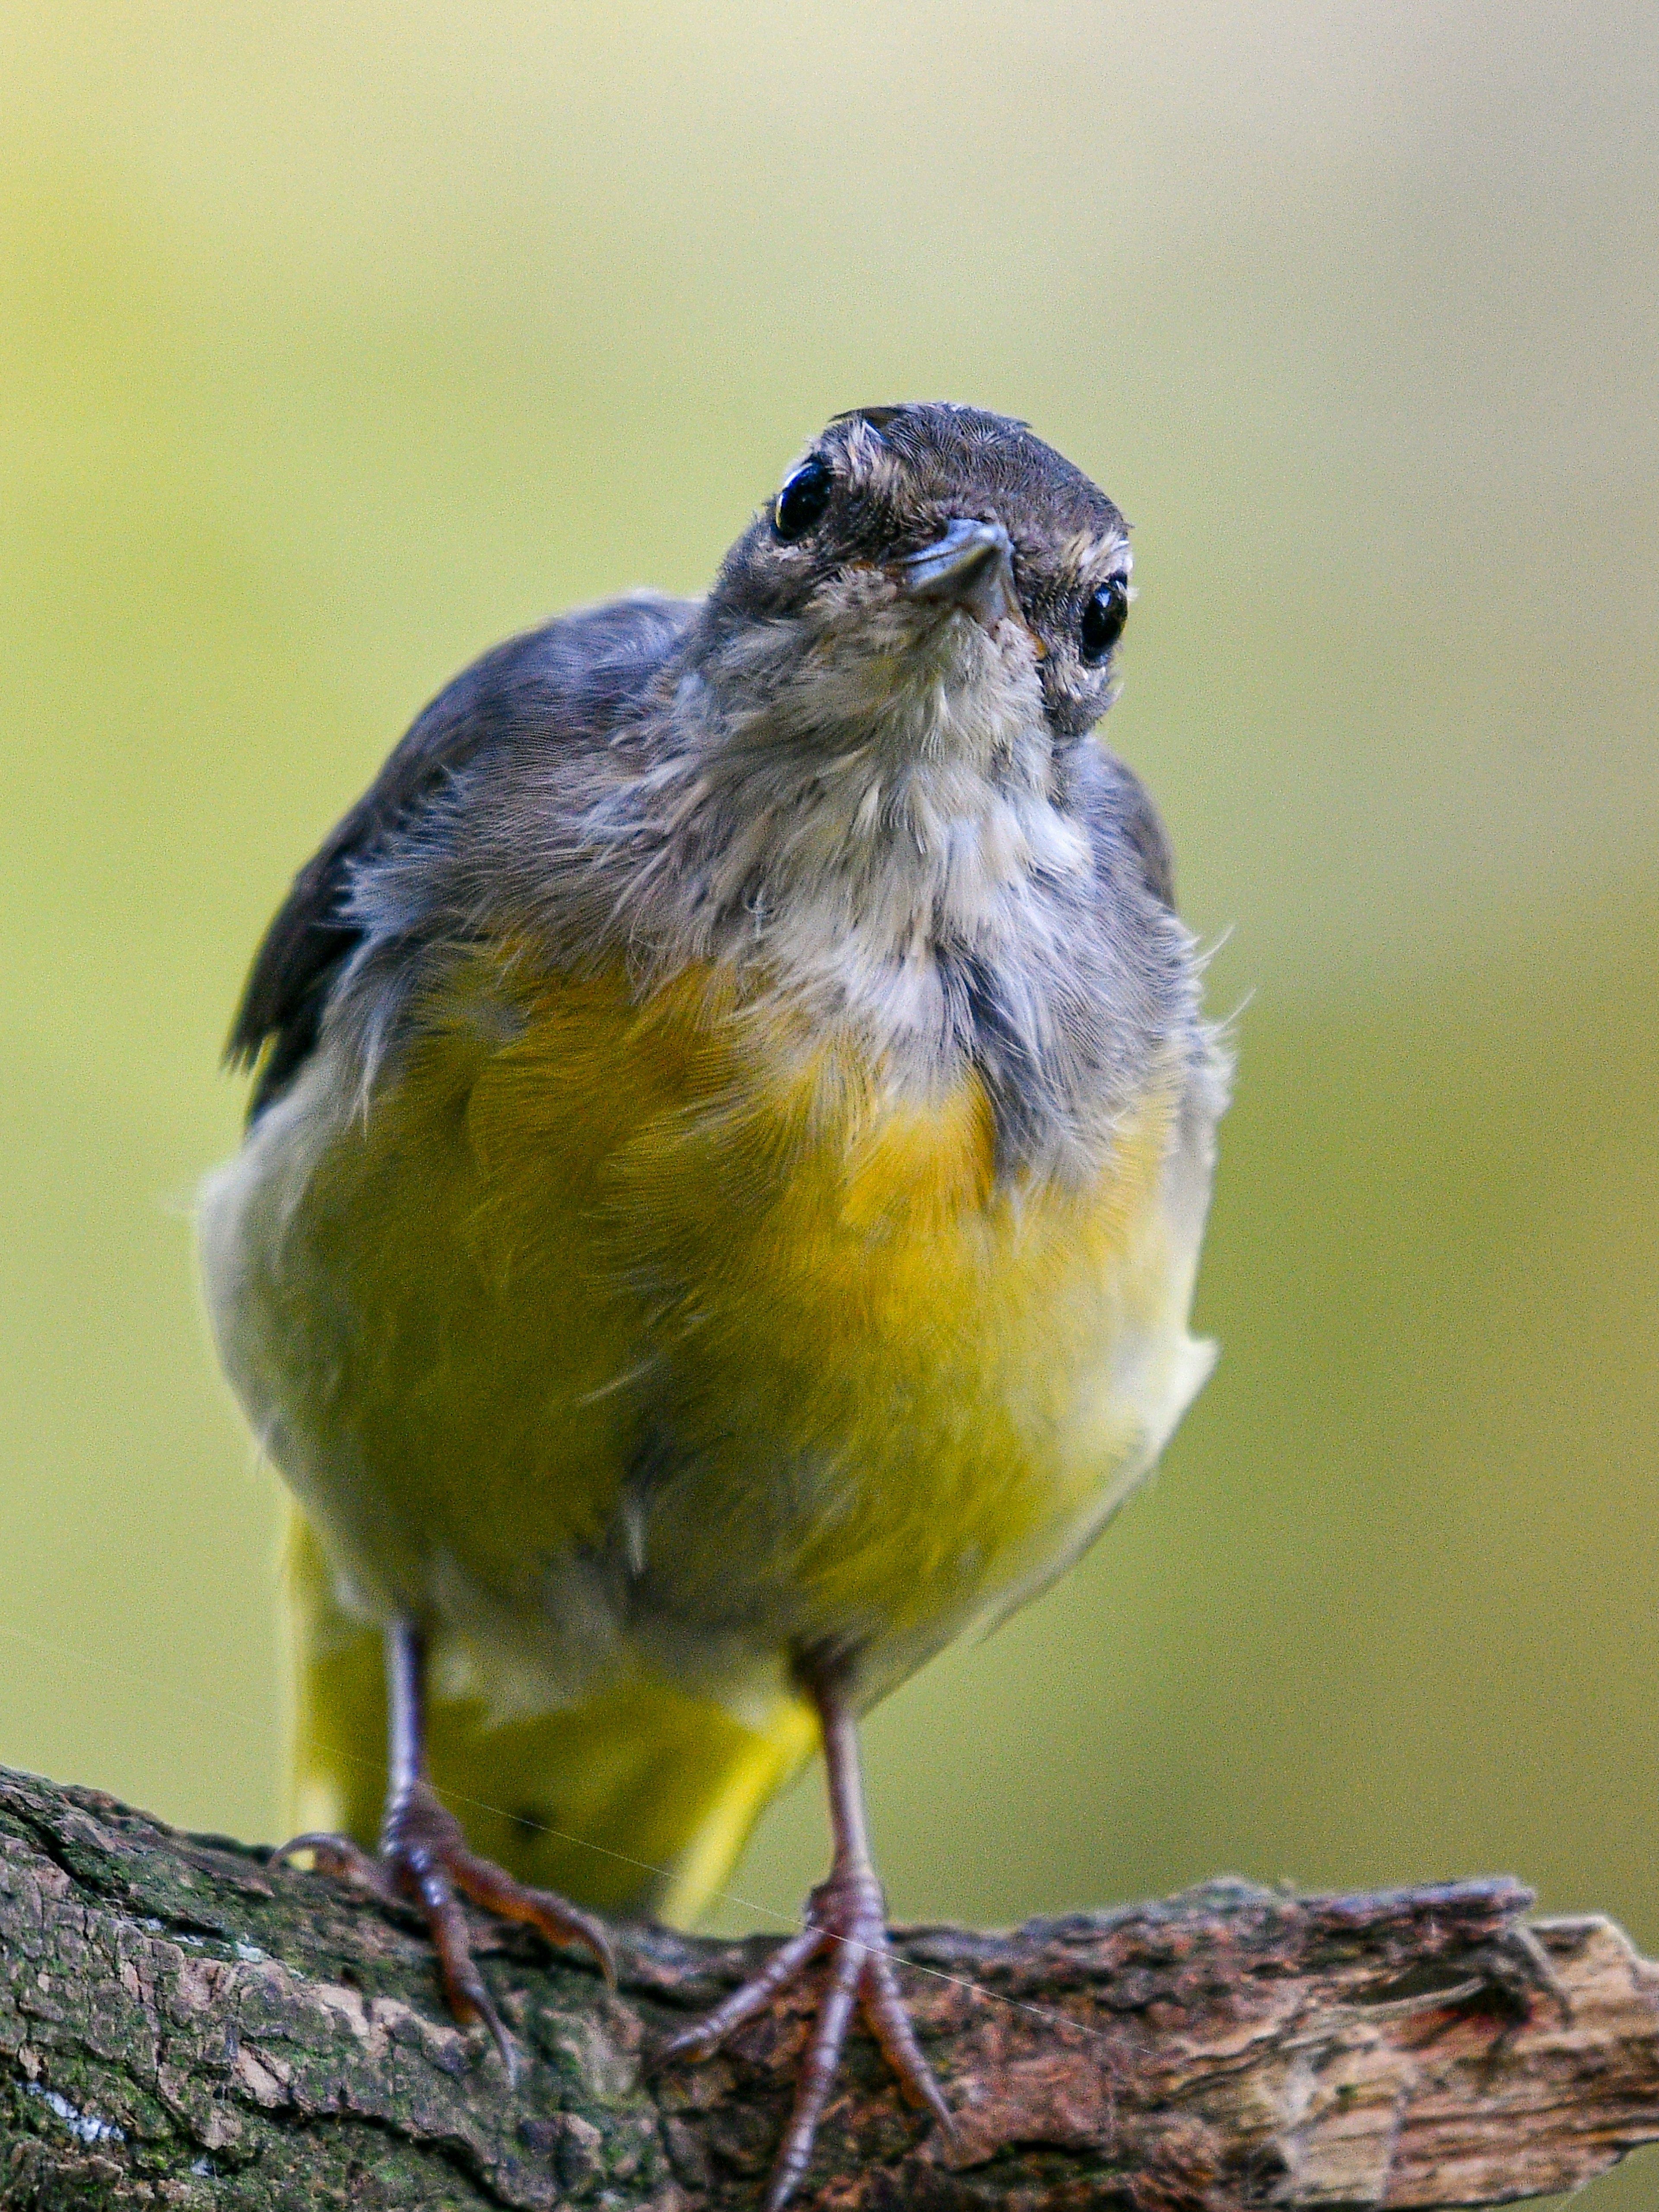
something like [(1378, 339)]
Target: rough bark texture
[(180, 2025)]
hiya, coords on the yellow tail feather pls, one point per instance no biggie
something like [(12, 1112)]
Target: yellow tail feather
[(639, 1800)]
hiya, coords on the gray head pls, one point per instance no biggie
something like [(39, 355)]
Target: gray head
[(933, 568)]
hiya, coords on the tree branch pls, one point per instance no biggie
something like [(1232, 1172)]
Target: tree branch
[(181, 2025)]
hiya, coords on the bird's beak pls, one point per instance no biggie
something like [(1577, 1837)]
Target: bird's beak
[(970, 566)]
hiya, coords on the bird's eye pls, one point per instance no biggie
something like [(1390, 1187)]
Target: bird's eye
[(1103, 619), (805, 500)]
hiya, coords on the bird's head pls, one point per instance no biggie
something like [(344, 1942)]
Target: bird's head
[(931, 583)]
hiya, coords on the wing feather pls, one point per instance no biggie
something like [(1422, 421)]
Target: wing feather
[(571, 678)]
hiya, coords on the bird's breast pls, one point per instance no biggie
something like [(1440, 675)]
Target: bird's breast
[(685, 1316)]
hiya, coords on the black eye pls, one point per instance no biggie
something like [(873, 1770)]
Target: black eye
[(805, 500), (1103, 619)]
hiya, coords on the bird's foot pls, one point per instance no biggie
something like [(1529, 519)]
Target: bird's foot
[(423, 1861), (845, 1919)]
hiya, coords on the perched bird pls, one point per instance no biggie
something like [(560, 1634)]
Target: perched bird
[(731, 1130)]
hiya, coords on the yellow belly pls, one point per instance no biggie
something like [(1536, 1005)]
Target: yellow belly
[(638, 1346)]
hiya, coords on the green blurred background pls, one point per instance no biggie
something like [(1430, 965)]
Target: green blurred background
[(337, 341)]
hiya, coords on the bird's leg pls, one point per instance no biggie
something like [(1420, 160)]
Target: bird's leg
[(424, 1859), (845, 1919)]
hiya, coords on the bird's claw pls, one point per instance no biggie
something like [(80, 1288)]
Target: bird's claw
[(424, 1861), (846, 1921)]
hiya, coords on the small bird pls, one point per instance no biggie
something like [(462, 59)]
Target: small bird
[(732, 1128)]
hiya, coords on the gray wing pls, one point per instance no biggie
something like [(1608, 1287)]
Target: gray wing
[(1127, 804), (579, 675)]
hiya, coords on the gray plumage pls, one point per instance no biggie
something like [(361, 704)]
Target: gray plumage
[(942, 855)]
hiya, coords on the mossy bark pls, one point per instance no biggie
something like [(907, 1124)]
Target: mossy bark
[(180, 2025)]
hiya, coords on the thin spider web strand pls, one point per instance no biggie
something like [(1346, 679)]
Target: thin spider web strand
[(793, 1920)]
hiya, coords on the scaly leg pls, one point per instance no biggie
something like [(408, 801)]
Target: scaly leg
[(846, 1917), (424, 1858)]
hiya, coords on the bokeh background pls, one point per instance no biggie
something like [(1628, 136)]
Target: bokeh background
[(337, 341)]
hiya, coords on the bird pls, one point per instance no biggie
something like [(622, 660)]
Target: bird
[(732, 1126)]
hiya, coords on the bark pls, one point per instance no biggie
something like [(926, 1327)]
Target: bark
[(181, 2025)]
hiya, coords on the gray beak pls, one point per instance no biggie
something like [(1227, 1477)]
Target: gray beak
[(970, 566)]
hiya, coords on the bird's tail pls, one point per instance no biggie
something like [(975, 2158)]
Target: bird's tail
[(637, 1801)]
